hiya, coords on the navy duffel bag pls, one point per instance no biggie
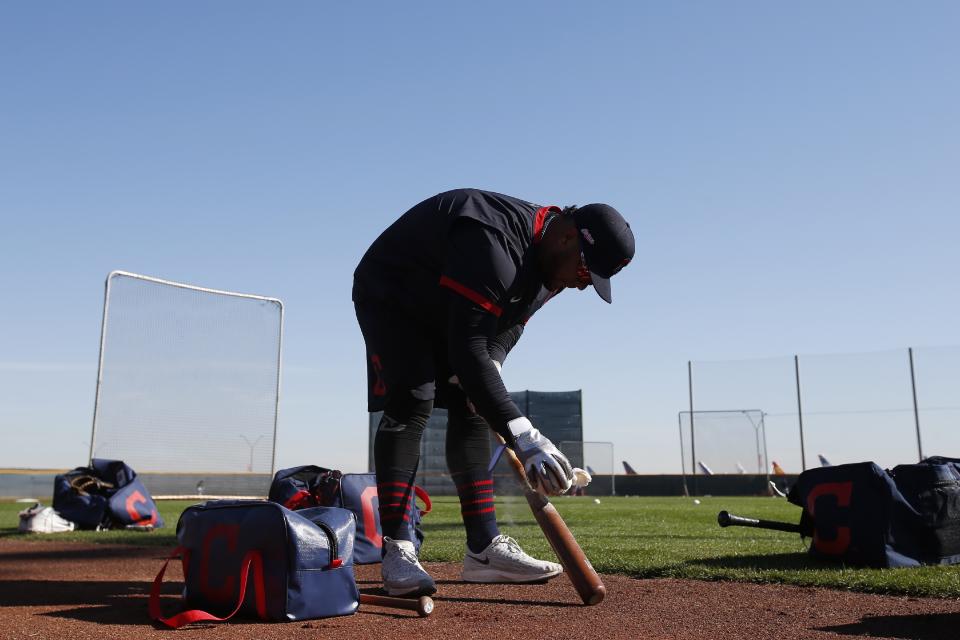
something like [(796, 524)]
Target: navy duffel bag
[(310, 485), (862, 515), (105, 495), (258, 558)]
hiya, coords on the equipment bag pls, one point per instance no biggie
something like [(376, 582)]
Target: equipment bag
[(305, 486), (309, 485), (105, 495), (257, 558), (863, 515)]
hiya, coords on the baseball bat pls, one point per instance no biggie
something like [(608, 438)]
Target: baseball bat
[(423, 605), (725, 519), (575, 563)]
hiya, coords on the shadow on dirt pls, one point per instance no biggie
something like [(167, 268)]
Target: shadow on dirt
[(40, 551), (100, 601), (936, 626), (369, 586)]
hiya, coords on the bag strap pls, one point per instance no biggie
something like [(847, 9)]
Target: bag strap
[(252, 558), (423, 495)]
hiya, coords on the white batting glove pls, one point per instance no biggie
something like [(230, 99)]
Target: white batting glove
[(548, 470)]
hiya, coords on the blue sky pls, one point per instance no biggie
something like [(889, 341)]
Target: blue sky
[(789, 170)]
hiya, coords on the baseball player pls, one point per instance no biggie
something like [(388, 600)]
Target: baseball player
[(442, 296)]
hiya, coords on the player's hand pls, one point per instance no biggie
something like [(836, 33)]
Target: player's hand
[(548, 471)]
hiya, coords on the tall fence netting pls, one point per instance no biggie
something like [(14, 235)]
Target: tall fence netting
[(838, 408), (189, 379)]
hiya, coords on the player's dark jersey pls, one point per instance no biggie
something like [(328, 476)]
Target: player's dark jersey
[(410, 267), (461, 268)]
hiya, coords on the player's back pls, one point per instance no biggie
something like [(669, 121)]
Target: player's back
[(403, 265)]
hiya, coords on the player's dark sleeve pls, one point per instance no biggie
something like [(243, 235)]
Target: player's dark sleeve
[(502, 343), (469, 329), (477, 275)]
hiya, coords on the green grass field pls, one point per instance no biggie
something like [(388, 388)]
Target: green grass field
[(641, 537)]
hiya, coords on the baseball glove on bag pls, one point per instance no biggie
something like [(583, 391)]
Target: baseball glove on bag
[(105, 495)]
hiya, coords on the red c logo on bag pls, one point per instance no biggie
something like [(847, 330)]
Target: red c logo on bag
[(370, 528), (841, 491), (224, 592), (138, 518)]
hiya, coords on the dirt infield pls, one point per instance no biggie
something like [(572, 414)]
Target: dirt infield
[(64, 590)]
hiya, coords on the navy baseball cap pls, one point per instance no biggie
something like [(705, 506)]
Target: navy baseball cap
[(606, 241)]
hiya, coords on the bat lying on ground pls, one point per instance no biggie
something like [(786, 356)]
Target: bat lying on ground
[(575, 563), (725, 519), (423, 605)]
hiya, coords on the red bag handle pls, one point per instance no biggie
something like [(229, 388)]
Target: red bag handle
[(300, 500), (423, 495), (251, 559)]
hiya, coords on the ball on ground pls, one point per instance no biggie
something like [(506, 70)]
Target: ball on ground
[(425, 606)]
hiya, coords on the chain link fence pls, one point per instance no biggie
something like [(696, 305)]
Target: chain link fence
[(889, 406)]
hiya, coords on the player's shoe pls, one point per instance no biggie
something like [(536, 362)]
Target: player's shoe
[(504, 561), (401, 570)]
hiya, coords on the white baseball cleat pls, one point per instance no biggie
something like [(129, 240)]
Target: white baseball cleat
[(401, 570), (504, 561), (41, 519)]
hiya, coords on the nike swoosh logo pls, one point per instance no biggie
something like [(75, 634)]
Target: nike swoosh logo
[(484, 561), (517, 299)]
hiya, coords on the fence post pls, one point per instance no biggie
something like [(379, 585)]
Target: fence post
[(916, 409), (796, 371), (613, 471), (693, 444), (683, 455)]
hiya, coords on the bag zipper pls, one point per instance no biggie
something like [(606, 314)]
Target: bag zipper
[(331, 536), (335, 561)]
